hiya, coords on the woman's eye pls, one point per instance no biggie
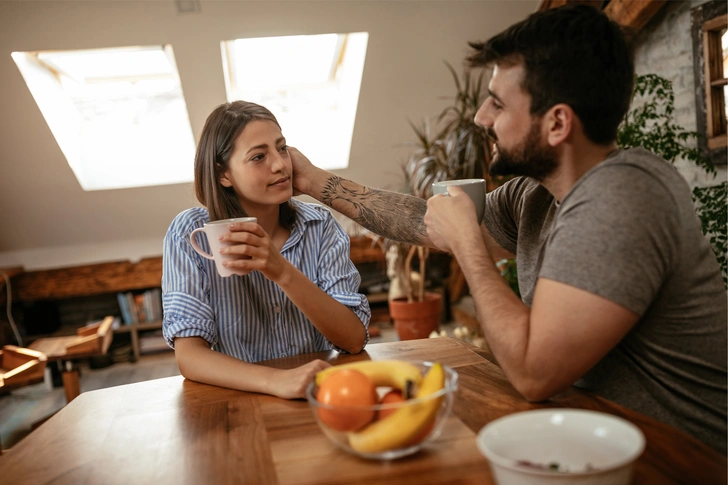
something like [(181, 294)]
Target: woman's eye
[(258, 158), (284, 148)]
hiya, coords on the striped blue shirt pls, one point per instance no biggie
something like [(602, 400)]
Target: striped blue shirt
[(249, 317)]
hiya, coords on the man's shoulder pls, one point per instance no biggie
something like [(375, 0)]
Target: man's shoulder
[(638, 159), (521, 188), (632, 176)]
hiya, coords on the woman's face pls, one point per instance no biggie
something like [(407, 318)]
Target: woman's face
[(260, 167)]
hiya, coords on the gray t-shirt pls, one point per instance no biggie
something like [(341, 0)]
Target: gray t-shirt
[(627, 231)]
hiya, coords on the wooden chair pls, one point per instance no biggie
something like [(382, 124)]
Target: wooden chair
[(90, 341), (20, 367)]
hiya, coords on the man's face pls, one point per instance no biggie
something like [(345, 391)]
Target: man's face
[(519, 147)]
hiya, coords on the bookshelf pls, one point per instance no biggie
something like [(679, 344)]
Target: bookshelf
[(134, 330)]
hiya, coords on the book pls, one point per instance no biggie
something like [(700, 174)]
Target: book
[(123, 306)]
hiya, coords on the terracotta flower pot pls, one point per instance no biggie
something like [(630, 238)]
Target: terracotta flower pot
[(417, 319)]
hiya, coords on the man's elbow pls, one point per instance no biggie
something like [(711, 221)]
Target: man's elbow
[(536, 390)]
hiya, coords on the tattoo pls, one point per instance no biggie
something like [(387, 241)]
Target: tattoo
[(396, 216)]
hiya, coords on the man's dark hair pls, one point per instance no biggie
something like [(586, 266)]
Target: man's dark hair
[(574, 55)]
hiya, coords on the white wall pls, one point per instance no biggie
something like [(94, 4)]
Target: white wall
[(47, 220)]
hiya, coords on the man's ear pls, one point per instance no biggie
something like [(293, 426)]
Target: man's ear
[(560, 122)]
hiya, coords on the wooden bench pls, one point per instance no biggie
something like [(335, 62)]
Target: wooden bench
[(20, 367), (90, 341)]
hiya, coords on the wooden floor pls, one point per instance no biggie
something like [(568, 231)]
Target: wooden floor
[(22, 408)]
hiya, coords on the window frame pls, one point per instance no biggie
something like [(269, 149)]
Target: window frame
[(342, 72), (707, 21), (45, 78)]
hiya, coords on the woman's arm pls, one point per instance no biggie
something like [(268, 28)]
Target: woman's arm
[(198, 362), (338, 323)]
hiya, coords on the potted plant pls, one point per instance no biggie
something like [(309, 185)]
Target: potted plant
[(453, 147)]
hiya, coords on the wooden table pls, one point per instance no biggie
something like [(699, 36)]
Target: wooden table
[(180, 432)]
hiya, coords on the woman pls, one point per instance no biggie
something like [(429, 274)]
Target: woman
[(295, 288)]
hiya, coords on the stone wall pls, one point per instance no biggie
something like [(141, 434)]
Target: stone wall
[(665, 48)]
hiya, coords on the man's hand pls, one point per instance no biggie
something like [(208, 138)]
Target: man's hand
[(302, 168), (450, 217)]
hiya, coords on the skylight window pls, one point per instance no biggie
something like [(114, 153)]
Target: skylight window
[(118, 114), (310, 83)]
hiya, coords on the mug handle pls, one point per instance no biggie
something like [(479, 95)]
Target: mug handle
[(196, 247)]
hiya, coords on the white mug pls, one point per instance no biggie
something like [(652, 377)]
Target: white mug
[(475, 188), (214, 230)]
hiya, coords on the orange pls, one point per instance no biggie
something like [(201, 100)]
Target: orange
[(391, 397), (347, 389)]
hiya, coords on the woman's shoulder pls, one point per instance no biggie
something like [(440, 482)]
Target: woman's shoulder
[(188, 220), (309, 211)]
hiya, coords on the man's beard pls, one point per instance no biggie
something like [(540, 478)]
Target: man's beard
[(531, 159)]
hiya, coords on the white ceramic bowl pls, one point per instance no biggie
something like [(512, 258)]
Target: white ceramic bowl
[(561, 446)]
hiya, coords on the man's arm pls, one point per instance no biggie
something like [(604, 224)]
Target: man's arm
[(543, 349), (395, 216)]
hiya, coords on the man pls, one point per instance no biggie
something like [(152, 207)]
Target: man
[(622, 294)]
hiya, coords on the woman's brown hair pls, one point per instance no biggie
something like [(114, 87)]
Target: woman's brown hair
[(212, 159)]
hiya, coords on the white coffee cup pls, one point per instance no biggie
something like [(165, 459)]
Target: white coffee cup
[(475, 188), (214, 230)]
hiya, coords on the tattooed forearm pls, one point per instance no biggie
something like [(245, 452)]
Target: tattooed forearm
[(390, 214)]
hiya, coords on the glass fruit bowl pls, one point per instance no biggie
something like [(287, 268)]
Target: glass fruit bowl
[(406, 405)]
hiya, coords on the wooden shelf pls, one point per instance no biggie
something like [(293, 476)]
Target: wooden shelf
[(134, 330), (89, 280), (135, 327), (121, 276)]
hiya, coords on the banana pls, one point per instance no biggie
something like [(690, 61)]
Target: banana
[(402, 426), (390, 373)]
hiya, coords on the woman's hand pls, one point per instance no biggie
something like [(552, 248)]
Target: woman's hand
[(292, 382), (254, 251)]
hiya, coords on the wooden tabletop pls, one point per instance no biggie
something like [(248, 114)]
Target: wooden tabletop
[(180, 432)]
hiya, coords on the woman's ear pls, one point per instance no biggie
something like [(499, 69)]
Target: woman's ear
[(560, 121), (224, 181)]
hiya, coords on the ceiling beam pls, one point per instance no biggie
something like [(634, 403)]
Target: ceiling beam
[(547, 4), (633, 14)]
